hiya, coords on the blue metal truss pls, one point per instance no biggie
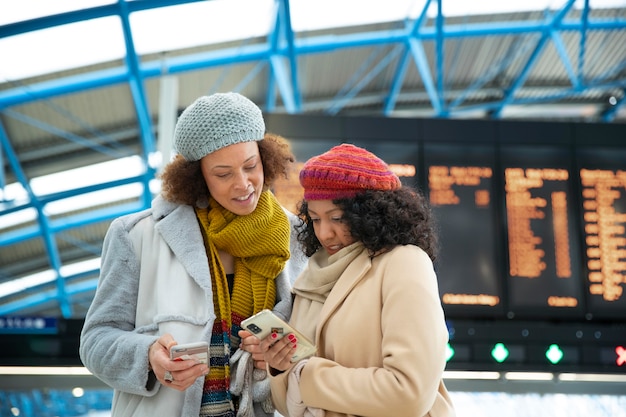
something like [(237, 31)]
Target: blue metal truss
[(280, 54)]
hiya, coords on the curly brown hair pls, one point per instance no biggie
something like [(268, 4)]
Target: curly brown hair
[(380, 220), (183, 183)]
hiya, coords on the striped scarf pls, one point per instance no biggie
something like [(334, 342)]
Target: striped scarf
[(259, 242)]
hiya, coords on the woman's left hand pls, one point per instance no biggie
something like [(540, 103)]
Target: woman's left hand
[(250, 343)]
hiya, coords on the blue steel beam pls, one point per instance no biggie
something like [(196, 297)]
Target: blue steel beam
[(562, 94), (288, 37), (142, 109), (281, 43), (521, 79), (254, 53), (44, 227), (403, 65), (81, 15), (419, 56), (87, 143), (439, 43), (495, 69), (575, 79), (584, 17), (42, 297), (272, 41), (342, 101), (17, 236)]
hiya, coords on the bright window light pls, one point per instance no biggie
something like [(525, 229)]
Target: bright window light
[(30, 9), (87, 200), (44, 277), (200, 23), (60, 48), (21, 284), (26, 215), (89, 175)]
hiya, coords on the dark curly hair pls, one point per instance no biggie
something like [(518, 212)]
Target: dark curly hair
[(381, 220), (183, 183)]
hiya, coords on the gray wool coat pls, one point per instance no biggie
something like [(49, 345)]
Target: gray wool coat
[(155, 279)]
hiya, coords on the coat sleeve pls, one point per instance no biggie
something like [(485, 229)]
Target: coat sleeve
[(109, 347), (278, 386), (414, 337)]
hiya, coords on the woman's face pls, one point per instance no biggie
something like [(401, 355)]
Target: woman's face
[(234, 175), (329, 229)]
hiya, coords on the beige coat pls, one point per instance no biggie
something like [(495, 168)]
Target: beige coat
[(381, 342)]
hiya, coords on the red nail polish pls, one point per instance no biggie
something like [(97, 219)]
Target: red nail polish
[(274, 335)]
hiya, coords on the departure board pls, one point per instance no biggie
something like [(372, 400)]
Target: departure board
[(531, 216), (460, 184), (603, 189), (543, 250)]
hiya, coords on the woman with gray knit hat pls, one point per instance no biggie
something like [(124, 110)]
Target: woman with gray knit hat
[(214, 249), (368, 298)]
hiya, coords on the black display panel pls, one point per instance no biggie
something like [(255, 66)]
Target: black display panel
[(603, 216), (525, 230), (460, 185), (543, 273)]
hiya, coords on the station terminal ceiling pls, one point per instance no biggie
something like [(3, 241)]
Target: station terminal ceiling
[(563, 62)]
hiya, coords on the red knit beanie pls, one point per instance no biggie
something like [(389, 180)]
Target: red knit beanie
[(344, 171)]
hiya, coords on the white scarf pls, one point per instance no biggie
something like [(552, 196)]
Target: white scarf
[(316, 282)]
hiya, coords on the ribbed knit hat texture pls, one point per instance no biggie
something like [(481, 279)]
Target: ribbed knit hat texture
[(213, 122), (343, 172)]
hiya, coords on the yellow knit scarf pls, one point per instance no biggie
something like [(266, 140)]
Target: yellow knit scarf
[(259, 242)]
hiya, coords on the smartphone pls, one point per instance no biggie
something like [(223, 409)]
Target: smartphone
[(266, 322), (195, 350)]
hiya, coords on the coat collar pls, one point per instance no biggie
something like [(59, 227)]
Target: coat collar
[(353, 274), (179, 228)]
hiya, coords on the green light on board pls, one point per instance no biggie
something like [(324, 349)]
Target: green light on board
[(554, 354), (500, 352), (449, 352)]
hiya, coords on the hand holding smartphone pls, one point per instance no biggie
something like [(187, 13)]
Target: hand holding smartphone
[(266, 322), (197, 350)]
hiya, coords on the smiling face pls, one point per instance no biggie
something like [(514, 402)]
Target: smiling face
[(330, 230), (234, 175)]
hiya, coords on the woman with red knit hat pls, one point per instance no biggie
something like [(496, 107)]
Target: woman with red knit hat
[(368, 298)]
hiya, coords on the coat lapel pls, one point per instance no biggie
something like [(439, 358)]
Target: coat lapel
[(179, 228)]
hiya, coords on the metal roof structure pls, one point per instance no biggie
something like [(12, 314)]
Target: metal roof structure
[(563, 64)]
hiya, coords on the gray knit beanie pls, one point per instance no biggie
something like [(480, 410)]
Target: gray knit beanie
[(216, 121)]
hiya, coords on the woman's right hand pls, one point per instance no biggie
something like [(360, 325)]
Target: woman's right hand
[(278, 353), (183, 373)]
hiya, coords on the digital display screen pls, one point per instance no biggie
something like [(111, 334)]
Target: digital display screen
[(603, 189), (543, 250), (531, 216), (460, 185)]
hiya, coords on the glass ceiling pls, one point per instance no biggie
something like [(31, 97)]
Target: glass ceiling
[(201, 23)]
